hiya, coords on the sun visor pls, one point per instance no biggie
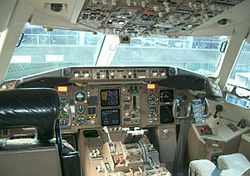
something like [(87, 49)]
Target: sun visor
[(6, 10)]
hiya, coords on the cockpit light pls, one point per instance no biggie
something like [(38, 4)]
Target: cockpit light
[(151, 86), (62, 88)]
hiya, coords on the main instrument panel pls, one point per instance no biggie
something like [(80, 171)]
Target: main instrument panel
[(116, 97), (96, 106)]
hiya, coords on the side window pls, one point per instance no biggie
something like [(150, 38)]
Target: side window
[(239, 81)]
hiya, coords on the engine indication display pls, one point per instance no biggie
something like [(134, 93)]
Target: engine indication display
[(79, 96), (110, 97), (166, 96), (110, 117)]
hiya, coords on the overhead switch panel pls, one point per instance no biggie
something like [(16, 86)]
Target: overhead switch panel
[(150, 17)]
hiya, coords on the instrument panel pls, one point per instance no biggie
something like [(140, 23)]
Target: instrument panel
[(122, 97), (116, 105)]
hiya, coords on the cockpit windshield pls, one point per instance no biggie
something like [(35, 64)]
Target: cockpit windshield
[(198, 54), (42, 51)]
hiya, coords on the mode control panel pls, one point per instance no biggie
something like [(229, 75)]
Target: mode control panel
[(118, 74)]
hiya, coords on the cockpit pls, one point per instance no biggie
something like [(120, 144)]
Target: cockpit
[(110, 87)]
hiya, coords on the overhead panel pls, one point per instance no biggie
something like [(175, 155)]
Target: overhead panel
[(150, 17)]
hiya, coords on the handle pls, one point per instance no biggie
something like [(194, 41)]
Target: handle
[(58, 136)]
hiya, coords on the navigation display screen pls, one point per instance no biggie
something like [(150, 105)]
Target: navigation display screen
[(110, 117), (110, 97), (166, 96)]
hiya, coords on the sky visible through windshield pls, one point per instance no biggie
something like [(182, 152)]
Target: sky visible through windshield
[(43, 51)]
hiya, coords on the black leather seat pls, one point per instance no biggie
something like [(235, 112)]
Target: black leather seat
[(30, 108), (37, 108)]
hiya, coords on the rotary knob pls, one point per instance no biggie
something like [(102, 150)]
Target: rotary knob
[(155, 74), (129, 2), (4, 87), (76, 75), (104, 2), (163, 74), (114, 2), (86, 75)]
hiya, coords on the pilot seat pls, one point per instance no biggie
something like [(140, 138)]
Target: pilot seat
[(42, 155)]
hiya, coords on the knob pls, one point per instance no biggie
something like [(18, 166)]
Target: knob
[(202, 6), (167, 9), (156, 8), (76, 75), (143, 4), (161, 14), (114, 2), (97, 151), (212, 7), (98, 168), (163, 74), (190, 4), (86, 75), (104, 2), (4, 87), (129, 2), (155, 74), (171, 19), (165, 4)]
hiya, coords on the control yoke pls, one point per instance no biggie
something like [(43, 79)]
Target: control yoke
[(198, 108)]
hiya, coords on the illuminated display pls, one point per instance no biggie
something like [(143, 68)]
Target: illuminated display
[(110, 97), (62, 88), (90, 134), (79, 96), (110, 117), (166, 96), (150, 86)]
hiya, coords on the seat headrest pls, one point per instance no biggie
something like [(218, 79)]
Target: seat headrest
[(30, 108)]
